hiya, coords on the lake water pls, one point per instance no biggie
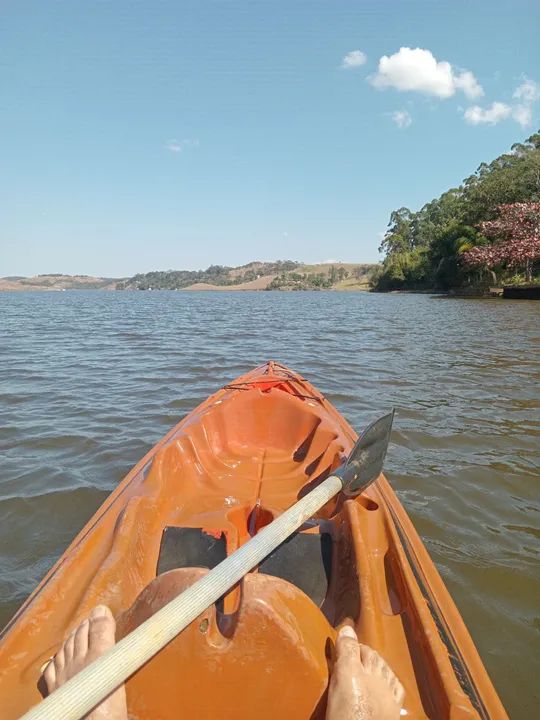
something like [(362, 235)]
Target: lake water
[(89, 381)]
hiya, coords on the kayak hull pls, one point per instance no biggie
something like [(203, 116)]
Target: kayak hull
[(224, 472)]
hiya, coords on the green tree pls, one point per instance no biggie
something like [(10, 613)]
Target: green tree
[(424, 248)]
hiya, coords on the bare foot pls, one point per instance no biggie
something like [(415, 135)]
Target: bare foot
[(91, 639), (362, 686)]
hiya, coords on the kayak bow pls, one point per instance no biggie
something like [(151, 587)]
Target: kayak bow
[(215, 481)]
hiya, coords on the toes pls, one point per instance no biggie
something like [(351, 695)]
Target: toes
[(101, 630), (49, 675), (374, 662), (59, 661), (367, 656), (347, 663), (81, 639), (69, 646), (55, 670), (377, 665), (398, 691), (347, 647), (101, 611)]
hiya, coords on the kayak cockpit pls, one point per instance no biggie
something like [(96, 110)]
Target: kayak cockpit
[(270, 652)]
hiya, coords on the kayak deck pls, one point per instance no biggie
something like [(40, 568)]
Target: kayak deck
[(224, 472)]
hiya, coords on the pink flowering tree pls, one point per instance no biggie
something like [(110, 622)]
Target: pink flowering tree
[(516, 236)]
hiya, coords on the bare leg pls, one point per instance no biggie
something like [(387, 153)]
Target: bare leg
[(91, 639), (362, 686)]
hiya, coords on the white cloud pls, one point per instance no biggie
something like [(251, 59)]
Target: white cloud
[(174, 146), (418, 70), (528, 92), (178, 146), (498, 111), (469, 84), (354, 59), (522, 114), (402, 118)]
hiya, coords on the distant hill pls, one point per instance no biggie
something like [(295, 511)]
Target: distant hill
[(220, 276), (279, 275), (325, 276), (57, 282)]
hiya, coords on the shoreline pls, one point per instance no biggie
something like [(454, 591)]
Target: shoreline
[(506, 292), (216, 288), (257, 275)]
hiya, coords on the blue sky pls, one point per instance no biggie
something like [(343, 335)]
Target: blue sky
[(153, 135)]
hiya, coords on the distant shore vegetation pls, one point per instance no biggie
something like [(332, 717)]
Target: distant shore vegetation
[(324, 277), (279, 275), (220, 275), (484, 232)]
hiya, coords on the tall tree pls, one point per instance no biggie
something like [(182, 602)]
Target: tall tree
[(398, 237)]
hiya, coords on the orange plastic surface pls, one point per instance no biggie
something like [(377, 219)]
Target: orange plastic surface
[(234, 463)]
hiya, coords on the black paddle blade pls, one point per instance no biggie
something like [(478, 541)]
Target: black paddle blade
[(365, 462)]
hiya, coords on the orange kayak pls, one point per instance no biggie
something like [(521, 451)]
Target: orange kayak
[(224, 472)]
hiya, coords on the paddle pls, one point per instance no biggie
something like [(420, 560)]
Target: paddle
[(89, 687)]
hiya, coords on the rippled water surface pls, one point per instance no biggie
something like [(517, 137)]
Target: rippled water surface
[(89, 381)]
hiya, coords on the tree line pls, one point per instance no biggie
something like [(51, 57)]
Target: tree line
[(485, 230), (214, 275), (302, 280)]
